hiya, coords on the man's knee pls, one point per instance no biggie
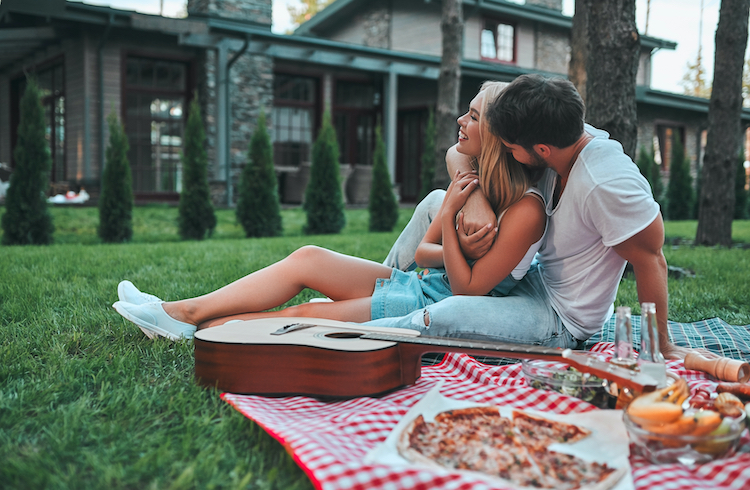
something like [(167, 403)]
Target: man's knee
[(430, 205)]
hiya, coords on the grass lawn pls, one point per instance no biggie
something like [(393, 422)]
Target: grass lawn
[(86, 401)]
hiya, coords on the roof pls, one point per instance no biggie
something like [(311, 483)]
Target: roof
[(339, 12), (649, 96)]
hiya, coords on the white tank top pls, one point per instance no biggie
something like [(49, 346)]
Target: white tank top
[(523, 266)]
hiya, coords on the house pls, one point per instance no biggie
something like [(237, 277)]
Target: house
[(368, 62)]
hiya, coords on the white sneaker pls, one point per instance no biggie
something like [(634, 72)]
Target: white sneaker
[(151, 317), (128, 293)]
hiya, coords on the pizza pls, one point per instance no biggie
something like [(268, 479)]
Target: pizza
[(515, 451)]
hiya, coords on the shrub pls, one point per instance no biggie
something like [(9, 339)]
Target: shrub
[(196, 218), (258, 209), (383, 207), (324, 202), (27, 221), (650, 170), (116, 198), (740, 194), (680, 187), (428, 156)]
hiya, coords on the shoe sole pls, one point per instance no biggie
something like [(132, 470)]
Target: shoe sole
[(145, 326)]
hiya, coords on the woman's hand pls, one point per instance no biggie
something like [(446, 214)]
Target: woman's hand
[(458, 192)]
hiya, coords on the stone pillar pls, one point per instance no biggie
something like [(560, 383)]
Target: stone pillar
[(250, 90)]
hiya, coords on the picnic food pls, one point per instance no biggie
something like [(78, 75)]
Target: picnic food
[(559, 377), (742, 390), (516, 451), (659, 407)]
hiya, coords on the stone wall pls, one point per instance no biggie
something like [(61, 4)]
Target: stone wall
[(550, 4), (552, 51), (376, 25), (255, 10)]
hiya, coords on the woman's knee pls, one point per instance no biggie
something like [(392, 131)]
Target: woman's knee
[(308, 254)]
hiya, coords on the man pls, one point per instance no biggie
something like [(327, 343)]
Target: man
[(601, 215)]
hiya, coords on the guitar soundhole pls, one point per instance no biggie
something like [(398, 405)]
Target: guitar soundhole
[(343, 335)]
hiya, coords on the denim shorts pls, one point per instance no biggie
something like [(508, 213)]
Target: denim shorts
[(406, 292)]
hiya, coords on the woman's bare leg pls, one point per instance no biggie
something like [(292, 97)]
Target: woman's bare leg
[(348, 310), (338, 276)]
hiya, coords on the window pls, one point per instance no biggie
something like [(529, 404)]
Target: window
[(666, 137), (355, 112), (52, 91), (155, 98), (294, 102), (498, 41)]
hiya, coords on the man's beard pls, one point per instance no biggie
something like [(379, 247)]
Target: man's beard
[(536, 160)]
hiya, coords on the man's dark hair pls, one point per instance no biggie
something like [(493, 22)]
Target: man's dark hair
[(536, 110)]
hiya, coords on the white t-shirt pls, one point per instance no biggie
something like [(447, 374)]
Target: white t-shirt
[(606, 201)]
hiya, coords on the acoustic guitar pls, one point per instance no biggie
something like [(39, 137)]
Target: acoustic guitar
[(327, 358)]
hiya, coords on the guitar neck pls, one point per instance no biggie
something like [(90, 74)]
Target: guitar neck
[(582, 361)]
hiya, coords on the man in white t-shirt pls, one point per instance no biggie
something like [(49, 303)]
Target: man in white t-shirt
[(601, 215)]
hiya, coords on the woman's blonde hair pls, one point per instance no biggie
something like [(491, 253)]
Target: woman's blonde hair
[(503, 180)]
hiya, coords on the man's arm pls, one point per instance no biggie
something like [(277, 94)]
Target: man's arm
[(644, 252), (477, 219)]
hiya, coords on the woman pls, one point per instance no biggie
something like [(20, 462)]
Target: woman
[(362, 290)]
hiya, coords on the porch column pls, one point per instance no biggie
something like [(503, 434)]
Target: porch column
[(222, 169), (391, 110)]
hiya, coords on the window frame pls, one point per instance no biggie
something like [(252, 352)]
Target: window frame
[(497, 21), (313, 106)]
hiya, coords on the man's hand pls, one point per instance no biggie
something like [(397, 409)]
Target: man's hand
[(475, 245), (671, 352)]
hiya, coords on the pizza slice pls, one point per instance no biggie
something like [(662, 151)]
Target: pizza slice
[(540, 431), (566, 472)]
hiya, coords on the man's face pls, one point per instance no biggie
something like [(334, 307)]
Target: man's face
[(532, 159)]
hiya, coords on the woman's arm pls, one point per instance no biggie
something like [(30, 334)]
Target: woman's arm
[(429, 253), (522, 226)]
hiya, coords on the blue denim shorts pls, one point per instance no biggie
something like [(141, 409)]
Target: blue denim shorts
[(406, 292)]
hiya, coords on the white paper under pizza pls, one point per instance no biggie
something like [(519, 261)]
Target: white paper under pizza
[(608, 442)]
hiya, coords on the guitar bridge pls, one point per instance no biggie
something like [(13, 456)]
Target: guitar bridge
[(292, 327)]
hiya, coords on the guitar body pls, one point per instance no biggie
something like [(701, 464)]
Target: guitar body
[(327, 360)]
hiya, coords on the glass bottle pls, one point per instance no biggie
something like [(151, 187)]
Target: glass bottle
[(650, 359), (623, 355)]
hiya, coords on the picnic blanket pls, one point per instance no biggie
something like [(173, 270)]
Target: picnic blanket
[(329, 440)]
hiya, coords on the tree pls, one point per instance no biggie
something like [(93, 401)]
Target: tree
[(680, 186), (449, 86), (258, 209), (324, 202), (116, 198), (740, 193), (579, 48), (694, 81), (196, 212), (716, 207), (650, 170), (27, 220), (428, 156), (383, 206), (611, 68), (307, 10)]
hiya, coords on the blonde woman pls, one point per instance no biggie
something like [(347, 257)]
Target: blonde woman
[(363, 290)]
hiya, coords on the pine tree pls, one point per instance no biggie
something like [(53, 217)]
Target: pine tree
[(680, 187), (258, 209), (740, 193), (383, 207), (650, 170), (428, 156), (196, 212), (116, 198), (27, 220), (324, 202)]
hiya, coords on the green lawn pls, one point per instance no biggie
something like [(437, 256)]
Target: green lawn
[(86, 401)]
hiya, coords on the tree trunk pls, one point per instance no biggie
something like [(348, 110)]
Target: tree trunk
[(449, 86), (716, 207), (612, 64), (579, 49)]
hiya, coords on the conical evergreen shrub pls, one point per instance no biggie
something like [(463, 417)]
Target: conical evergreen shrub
[(116, 197), (428, 156), (740, 194), (258, 209), (196, 219), (324, 201), (383, 207), (650, 170), (680, 187), (27, 220)]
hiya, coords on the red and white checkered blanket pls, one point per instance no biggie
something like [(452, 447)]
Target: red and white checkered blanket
[(329, 440)]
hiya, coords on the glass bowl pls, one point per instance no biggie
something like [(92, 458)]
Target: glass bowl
[(685, 449), (560, 377)]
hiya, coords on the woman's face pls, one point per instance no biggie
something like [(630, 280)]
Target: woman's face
[(468, 132)]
